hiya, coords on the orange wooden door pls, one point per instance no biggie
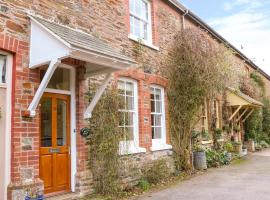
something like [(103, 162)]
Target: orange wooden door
[(55, 142)]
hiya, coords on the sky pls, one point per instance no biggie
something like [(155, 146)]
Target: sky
[(244, 23)]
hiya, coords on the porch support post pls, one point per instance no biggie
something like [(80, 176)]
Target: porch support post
[(252, 110), (237, 110), (47, 77), (242, 114), (101, 89)]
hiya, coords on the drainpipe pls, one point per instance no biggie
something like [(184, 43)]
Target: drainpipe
[(183, 19)]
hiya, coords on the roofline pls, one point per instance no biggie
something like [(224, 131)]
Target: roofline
[(204, 25)]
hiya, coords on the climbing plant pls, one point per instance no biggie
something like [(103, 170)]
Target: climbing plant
[(104, 160), (197, 69)]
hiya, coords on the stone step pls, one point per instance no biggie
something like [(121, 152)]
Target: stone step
[(68, 196)]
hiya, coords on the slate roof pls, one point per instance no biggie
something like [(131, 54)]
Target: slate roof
[(245, 97), (82, 40)]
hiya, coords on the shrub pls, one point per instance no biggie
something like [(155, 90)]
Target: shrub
[(144, 185), (216, 158), (264, 144), (228, 147), (156, 171)]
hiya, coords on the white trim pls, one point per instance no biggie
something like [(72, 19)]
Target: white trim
[(73, 142), (160, 144), (7, 142), (47, 77), (143, 42), (132, 146)]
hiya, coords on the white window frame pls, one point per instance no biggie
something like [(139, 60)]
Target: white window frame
[(132, 146), (160, 144), (7, 134), (132, 36)]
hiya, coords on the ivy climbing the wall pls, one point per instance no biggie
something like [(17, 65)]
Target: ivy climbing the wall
[(197, 69)]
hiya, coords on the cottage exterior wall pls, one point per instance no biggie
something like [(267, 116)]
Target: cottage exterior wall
[(108, 21)]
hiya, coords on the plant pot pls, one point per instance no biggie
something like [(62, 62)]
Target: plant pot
[(244, 152), (251, 145), (199, 160), (237, 148), (229, 156), (39, 197)]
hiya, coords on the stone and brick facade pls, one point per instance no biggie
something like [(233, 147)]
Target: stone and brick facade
[(109, 21)]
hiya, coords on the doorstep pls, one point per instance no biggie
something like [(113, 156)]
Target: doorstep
[(67, 196)]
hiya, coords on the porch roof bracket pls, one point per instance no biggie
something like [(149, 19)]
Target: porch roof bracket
[(248, 115), (93, 103), (47, 77), (237, 110), (242, 114)]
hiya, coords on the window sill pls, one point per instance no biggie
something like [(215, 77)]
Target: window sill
[(129, 147), (3, 85), (161, 147), (143, 42)]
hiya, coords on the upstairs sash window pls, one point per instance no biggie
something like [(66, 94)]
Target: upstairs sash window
[(140, 19)]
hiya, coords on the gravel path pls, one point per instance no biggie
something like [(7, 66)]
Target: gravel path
[(249, 180)]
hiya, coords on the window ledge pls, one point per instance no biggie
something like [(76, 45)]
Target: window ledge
[(143, 42), (3, 85), (128, 147), (161, 147)]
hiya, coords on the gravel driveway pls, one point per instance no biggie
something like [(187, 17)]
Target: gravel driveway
[(249, 180)]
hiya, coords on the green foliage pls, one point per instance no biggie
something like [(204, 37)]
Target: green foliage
[(253, 126), (264, 144), (198, 148), (218, 133), (156, 171), (266, 118), (228, 147), (257, 78), (144, 185), (104, 143), (206, 68), (216, 158)]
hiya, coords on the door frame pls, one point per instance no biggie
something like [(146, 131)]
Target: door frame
[(73, 147), (7, 135)]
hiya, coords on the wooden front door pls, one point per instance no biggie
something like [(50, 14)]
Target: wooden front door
[(55, 142)]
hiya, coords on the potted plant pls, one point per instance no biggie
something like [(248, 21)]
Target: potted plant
[(33, 194), (228, 147), (199, 157), (218, 133), (237, 146), (244, 150)]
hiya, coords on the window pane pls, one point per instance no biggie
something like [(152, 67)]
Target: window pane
[(61, 122), (132, 5), (129, 133), (122, 103), (152, 120), (157, 134), (122, 119), (121, 87), (158, 94), (130, 103), (46, 122), (129, 119), (157, 120), (153, 106), (132, 25), (3, 60), (129, 88), (158, 107), (60, 79), (137, 28)]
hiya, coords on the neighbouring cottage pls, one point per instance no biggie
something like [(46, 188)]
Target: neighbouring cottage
[(48, 51)]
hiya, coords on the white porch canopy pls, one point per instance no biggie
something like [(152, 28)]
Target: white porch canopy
[(51, 43)]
